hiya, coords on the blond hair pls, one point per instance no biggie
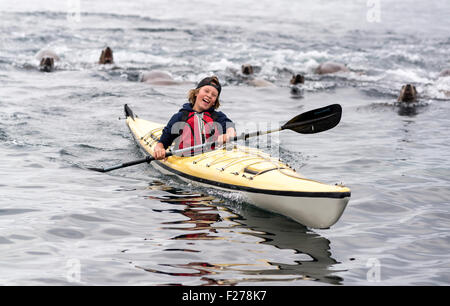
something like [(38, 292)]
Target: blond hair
[(192, 94)]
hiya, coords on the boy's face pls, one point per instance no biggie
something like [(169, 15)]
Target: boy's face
[(206, 98)]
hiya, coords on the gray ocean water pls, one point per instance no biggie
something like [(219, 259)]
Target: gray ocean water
[(62, 224)]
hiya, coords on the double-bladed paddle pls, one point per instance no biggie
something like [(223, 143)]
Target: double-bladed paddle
[(311, 122)]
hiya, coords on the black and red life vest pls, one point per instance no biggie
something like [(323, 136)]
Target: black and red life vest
[(199, 128)]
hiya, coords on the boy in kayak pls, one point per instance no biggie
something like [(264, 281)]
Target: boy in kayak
[(198, 121)]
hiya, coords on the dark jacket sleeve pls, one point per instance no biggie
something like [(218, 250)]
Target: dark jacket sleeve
[(224, 121), (168, 136)]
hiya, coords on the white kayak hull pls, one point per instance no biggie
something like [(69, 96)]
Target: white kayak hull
[(315, 212)]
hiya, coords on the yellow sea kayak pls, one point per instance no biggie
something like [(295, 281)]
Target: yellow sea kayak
[(263, 180)]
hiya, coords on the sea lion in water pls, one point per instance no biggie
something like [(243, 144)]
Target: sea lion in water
[(330, 67), (408, 94), (47, 64), (296, 82), (106, 57), (248, 71), (47, 60), (158, 78), (297, 79)]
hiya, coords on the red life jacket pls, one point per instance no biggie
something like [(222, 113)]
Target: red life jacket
[(199, 128)]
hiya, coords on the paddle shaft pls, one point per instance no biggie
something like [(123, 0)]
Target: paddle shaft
[(296, 124), (180, 152), (289, 126), (257, 133), (147, 159)]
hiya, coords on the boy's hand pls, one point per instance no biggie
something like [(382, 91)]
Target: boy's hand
[(159, 152), (231, 133)]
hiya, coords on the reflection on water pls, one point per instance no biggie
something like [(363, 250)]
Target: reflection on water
[(402, 109), (410, 109), (206, 218)]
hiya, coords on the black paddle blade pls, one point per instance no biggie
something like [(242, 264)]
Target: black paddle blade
[(315, 121), (129, 112)]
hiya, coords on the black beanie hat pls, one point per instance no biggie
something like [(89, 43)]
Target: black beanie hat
[(211, 81)]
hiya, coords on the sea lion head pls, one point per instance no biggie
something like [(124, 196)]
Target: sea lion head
[(297, 79), (408, 94), (47, 64), (107, 56), (247, 69)]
